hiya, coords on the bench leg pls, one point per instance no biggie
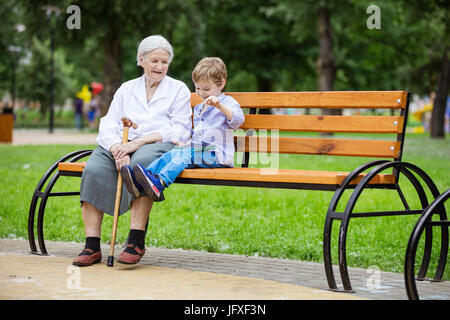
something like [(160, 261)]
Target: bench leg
[(31, 214), (333, 215), (40, 218), (421, 276), (38, 194), (327, 254), (402, 197), (429, 234), (423, 223), (444, 248), (406, 169)]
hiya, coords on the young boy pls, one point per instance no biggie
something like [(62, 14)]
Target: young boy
[(212, 144)]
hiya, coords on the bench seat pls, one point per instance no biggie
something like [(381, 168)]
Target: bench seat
[(334, 178)]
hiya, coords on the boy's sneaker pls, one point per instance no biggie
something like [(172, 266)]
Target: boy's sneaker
[(150, 182), (128, 178)]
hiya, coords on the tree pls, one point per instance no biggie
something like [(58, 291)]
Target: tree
[(252, 41), (432, 72), (109, 24), (12, 45), (440, 103), (34, 82), (312, 19)]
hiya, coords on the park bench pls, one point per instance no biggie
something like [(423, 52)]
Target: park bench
[(382, 173)]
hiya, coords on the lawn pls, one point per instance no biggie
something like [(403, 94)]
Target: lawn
[(249, 221)]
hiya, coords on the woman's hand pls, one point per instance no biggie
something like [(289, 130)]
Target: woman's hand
[(114, 149), (122, 161), (121, 152), (125, 149)]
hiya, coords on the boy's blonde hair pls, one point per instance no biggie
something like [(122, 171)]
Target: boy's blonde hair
[(210, 69)]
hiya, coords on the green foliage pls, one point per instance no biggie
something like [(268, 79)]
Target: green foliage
[(10, 17), (34, 78), (33, 118), (267, 45)]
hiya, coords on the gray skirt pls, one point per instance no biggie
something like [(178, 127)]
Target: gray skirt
[(99, 179)]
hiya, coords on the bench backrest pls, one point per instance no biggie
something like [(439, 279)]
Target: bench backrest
[(390, 126)]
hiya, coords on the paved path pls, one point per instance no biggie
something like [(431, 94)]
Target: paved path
[(59, 136), (181, 274)]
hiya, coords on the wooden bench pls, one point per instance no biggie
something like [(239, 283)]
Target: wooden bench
[(388, 148)]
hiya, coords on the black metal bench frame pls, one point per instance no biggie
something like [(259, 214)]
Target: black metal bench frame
[(398, 167), (425, 223)]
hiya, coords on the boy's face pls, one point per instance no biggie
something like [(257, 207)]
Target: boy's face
[(207, 88)]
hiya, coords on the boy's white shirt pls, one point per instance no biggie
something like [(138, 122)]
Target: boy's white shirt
[(168, 113)]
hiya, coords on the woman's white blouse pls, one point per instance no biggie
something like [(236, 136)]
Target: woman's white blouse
[(168, 113)]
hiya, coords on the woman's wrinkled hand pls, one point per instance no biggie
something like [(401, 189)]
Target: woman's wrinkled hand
[(125, 149), (122, 161), (114, 149), (121, 152)]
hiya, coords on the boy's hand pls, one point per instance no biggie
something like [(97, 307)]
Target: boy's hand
[(212, 101)]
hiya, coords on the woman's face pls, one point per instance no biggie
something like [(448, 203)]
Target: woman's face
[(155, 64)]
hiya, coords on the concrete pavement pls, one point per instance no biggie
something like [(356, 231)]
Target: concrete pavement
[(185, 274)]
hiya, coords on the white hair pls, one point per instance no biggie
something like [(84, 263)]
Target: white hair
[(152, 43)]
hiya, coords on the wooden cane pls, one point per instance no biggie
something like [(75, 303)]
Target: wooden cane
[(127, 123)]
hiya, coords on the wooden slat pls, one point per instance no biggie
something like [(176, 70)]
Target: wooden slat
[(71, 166), (319, 99), (263, 174), (277, 175), (378, 179), (314, 123), (318, 146)]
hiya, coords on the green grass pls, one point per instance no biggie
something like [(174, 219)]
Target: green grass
[(237, 220)]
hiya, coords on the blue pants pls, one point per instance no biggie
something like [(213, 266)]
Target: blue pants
[(170, 165)]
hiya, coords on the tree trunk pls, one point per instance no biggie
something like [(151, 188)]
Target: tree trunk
[(325, 63), (326, 68), (198, 23), (112, 72), (440, 103), (264, 85)]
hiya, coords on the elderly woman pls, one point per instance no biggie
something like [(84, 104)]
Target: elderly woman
[(160, 106)]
